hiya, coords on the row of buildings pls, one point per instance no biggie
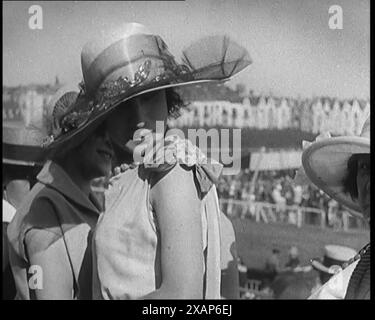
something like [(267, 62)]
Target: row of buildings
[(341, 117), (28, 104), (315, 115)]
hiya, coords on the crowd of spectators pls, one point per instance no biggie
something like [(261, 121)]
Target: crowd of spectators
[(270, 187), (277, 187), (238, 198)]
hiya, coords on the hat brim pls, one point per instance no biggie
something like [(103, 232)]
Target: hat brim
[(325, 163), (22, 145), (23, 155), (95, 121)]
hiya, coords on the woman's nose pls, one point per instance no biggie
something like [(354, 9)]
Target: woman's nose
[(107, 138)]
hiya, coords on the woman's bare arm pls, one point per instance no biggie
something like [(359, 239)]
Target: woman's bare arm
[(175, 200), (46, 250)]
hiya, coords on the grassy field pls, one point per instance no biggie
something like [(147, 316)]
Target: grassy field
[(255, 241)]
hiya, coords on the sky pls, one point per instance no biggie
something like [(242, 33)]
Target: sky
[(294, 51)]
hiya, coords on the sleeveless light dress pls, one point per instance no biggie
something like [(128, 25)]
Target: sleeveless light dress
[(126, 241)]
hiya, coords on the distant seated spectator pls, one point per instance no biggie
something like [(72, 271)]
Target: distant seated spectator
[(289, 198), (276, 195), (232, 190), (293, 261), (273, 262), (279, 200), (306, 195), (297, 195), (332, 213)]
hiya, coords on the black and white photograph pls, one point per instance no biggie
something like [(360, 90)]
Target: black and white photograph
[(186, 150)]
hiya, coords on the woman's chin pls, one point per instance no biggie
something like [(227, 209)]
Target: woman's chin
[(102, 170)]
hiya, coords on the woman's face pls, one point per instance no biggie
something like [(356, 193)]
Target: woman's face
[(139, 113), (363, 184), (95, 153)]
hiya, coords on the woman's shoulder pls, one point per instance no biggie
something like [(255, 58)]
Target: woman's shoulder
[(170, 151), (172, 177), (39, 208), (42, 213), (35, 218), (176, 153)]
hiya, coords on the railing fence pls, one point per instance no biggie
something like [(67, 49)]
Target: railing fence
[(268, 212), (297, 215)]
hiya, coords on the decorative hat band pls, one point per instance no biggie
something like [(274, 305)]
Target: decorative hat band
[(125, 57), (116, 89)]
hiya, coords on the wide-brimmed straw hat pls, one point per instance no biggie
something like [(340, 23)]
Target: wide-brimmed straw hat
[(325, 163), (131, 61), (334, 257)]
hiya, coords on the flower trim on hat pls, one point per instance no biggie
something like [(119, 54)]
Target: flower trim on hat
[(63, 116)]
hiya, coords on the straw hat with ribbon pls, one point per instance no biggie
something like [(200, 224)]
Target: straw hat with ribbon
[(325, 163), (131, 61)]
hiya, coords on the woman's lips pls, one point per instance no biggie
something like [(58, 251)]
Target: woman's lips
[(108, 155)]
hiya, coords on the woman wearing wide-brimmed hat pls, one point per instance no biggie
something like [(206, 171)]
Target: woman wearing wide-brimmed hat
[(160, 234), (340, 166), (50, 234)]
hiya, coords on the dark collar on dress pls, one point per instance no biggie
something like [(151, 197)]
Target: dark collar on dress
[(55, 177)]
